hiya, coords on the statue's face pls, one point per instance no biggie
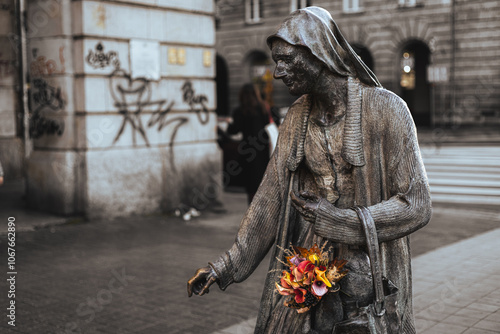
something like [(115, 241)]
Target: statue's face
[(296, 66)]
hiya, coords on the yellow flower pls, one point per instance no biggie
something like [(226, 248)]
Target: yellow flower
[(314, 258), (320, 275)]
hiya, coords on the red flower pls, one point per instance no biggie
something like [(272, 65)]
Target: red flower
[(300, 295), (305, 266)]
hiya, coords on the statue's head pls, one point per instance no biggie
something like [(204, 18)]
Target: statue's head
[(296, 66), (309, 40)]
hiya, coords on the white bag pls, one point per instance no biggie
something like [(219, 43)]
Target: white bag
[(272, 132)]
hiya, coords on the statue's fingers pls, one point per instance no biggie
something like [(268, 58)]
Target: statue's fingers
[(296, 199), (297, 206), (305, 194), (190, 285), (309, 196), (205, 289)]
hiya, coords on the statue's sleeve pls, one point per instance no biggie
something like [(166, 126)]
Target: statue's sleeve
[(407, 209), (256, 234)]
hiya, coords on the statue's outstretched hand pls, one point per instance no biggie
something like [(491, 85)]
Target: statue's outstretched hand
[(306, 204), (201, 281)]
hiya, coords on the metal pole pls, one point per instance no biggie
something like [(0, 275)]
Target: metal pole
[(23, 73), (453, 57)]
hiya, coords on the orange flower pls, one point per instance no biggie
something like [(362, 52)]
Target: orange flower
[(287, 277), (320, 275), (284, 291), (308, 278)]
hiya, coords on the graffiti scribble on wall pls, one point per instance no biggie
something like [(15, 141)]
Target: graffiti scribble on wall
[(133, 96), (7, 67), (194, 100), (46, 97), (100, 59), (43, 66), (40, 125)]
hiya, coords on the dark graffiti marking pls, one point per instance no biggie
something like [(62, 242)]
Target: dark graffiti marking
[(45, 97), (133, 96), (190, 98), (99, 59), (40, 125)]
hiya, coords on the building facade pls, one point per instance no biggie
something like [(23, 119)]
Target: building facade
[(441, 56), (119, 108)]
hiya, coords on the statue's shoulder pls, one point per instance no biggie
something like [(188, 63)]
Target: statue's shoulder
[(297, 110), (381, 100), (291, 131)]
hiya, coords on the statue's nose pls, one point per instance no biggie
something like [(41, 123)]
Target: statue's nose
[(278, 72)]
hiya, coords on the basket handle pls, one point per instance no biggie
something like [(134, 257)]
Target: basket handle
[(374, 254)]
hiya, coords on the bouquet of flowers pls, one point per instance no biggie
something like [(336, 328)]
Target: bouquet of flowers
[(310, 276)]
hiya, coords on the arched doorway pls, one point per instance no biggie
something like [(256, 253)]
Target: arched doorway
[(365, 55), (222, 84), (414, 59)]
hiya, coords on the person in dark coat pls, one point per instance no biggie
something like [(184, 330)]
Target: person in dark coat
[(250, 118)]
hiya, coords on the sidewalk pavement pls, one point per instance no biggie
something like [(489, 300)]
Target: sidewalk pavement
[(129, 275)]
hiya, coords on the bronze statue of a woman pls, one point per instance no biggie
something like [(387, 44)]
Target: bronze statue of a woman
[(345, 142)]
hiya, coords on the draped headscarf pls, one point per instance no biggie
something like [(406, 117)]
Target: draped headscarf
[(314, 28)]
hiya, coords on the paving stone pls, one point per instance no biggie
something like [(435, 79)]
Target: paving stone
[(460, 320), (488, 325), (494, 317), (478, 331), (445, 329), (423, 324)]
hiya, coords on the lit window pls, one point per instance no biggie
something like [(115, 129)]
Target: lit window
[(297, 4), (253, 11), (408, 70), (407, 3), (351, 6)]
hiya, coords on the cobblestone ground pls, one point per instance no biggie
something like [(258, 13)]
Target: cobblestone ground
[(129, 276)]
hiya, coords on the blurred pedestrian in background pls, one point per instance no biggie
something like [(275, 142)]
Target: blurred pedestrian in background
[(251, 118)]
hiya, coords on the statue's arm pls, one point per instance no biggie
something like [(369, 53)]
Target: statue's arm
[(405, 212), (256, 234)]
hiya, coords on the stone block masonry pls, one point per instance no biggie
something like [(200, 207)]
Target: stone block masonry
[(125, 95)]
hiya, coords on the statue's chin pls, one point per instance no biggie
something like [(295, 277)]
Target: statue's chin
[(294, 92)]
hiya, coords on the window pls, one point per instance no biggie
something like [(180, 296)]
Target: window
[(253, 11), (297, 4), (407, 3), (408, 70), (352, 6)]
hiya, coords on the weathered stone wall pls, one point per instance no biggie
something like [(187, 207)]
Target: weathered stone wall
[(383, 27), (11, 144), (126, 140)]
